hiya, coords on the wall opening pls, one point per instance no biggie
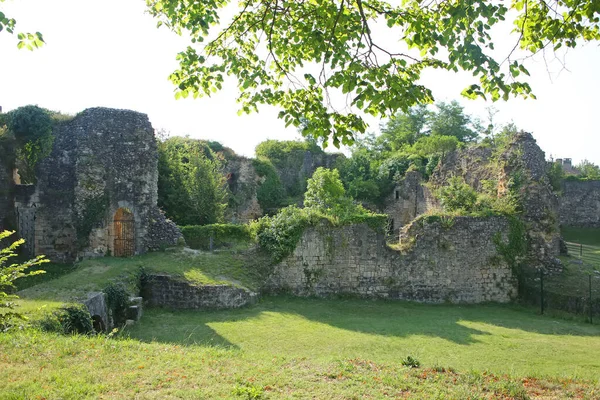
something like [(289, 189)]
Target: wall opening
[(397, 194), (98, 324), (124, 233)]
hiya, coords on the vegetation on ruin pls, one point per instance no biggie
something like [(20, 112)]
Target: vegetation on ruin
[(199, 237), (325, 201), (191, 184), (26, 138), (270, 193), (285, 347)]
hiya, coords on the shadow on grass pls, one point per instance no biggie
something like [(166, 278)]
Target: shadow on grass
[(383, 318)]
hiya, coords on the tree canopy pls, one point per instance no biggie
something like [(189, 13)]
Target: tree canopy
[(301, 55), (28, 41)]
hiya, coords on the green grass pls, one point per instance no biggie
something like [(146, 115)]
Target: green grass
[(96, 274), (309, 348), (589, 236)]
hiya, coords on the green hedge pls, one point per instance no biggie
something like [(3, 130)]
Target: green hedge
[(198, 236)]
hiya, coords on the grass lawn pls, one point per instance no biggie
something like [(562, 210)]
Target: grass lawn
[(95, 274), (589, 236), (310, 348)]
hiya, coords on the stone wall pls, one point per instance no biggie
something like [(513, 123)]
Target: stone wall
[(243, 182), (6, 196), (439, 264), (580, 204), (168, 291), (522, 167), (409, 199), (102, 160)]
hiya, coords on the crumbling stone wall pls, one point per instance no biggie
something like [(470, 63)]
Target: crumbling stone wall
[(409, 199), (580, 204), (439, 264), (472, 163), (243, 182), (522, 165), (102, 160), (167, 291), (6, 194)]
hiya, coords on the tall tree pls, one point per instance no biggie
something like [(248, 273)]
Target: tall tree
[(191, 184), (404, 128), (450, 120), (299, 54)]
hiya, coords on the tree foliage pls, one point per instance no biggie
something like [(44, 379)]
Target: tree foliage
[(31, 128), (28, 41), (298, 55), (9, 272), (588, 170), (191, 184), (325, 191)]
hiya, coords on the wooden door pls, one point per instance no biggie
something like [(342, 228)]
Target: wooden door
[(124, 233)]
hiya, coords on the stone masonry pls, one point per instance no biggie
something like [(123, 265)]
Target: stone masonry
[(580, 204), (448, 261), (103, 164), (171, 292)]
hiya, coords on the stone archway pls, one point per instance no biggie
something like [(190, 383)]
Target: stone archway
[(124, 233)]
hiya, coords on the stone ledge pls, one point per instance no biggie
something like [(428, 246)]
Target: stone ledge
[(167, 291)]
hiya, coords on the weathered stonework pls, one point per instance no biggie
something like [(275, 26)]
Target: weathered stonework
[(103, 164), (409, 199), (243, 182), (448, 261), (521, 164), (168, 291), (162, 231), (580, 204)]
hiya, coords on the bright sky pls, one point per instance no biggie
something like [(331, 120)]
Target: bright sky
[(109, 53)]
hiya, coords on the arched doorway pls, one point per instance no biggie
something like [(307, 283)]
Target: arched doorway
[(124, 233)]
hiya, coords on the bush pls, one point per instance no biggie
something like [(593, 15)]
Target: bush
[(457, 195), (68, 320), (191, 184), (31, 127), (8, 274), (117, 301), (270, 193), (198, 237), (278, 235), (325, 191)]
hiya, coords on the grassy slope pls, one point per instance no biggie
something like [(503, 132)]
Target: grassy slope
[(308, 348), (93, 275)]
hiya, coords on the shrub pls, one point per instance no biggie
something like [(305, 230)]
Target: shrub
[(457, 195), (411, 362), (198, 237), (117, 301), (8, 274), (270, 193), (325, 191), (70, 319), (191, 184), (278, 235)]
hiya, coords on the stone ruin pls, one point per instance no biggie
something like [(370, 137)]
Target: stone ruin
[(96, 193)]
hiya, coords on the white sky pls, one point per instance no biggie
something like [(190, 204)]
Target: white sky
[(109, 53)]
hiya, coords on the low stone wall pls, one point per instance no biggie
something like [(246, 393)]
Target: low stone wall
[(580, 204), (445, 261), (168, 291)]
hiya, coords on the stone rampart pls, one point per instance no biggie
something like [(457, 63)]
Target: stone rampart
[(580, 204), (168, 291), (452, 260)]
